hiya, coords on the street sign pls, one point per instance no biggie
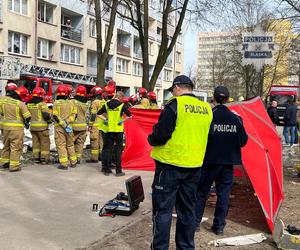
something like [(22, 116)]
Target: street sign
[(258, 48), (10, 68)]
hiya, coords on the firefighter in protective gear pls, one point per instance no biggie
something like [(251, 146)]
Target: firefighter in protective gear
[(144, 101), (9, 89), (80, 124), (40, 117), (114, 109), (23, 93), (179, 143), (15, 115), (96, 125), (153, 101), (64, 114)]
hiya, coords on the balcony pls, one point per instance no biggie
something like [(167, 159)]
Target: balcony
[(91, 70), (71, 33), (123, 50)]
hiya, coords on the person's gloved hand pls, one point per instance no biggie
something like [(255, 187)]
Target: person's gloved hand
[(120, 122), (68, 129), (27, 125), (55, 118), (106, 122)]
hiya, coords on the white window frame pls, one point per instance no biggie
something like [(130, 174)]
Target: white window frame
[(49, 49), (22, 10), (167, 75), (178, 57), (137, 69), (93, 29), (22, 38), (122, 65), (66, 54), (45, 5)]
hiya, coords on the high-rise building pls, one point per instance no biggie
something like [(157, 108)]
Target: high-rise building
[(58, 38)]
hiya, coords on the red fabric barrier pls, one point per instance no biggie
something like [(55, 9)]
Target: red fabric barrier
[(261, 156)]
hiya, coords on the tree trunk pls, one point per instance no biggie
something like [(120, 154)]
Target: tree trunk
[(145, 48), (102, 54)]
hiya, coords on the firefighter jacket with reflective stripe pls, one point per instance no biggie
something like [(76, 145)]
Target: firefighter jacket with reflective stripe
[(153, 105), (65, 111), (13, 113), (2, 100), (80, 123), (114, 119), (186, 148), (95, 107), (37, 122)]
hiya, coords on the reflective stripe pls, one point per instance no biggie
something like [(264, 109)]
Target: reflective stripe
[(36, 151), (27, 114), (45, 152), (78, 155), (79, 124), (18, 113), (4, 160), (63, 159), (12, 123), (14, 163), (73, 158), (94, 151)]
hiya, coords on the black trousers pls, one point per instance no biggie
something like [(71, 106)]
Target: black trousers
[(109, 140), (174, 186)]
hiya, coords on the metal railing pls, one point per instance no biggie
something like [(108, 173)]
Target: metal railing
[(123, 50), (71, 33)]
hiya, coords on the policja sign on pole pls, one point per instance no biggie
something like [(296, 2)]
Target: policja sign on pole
[(258, 48)]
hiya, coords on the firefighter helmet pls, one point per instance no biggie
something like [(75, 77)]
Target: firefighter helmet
[(39, 92), (22, 92), (96, 91), (68, 89), (152, 96), (81, 90), (61, 90), (11, 86), (142, 91)]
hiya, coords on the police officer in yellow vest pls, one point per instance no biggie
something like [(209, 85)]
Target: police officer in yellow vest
[(64, 114), (114, 109), (40, 117), (96, 126), (15, 115), (179, 142), (80, 124)]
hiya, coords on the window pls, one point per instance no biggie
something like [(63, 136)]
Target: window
[(45, 49), (137, 69), (122, 65), (17, 43), (167, 75), (178, 57), (93, 30), (179, 38), (70, 54), (45, 86), (45, 12), (19, 6)]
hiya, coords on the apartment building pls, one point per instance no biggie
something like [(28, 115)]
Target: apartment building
[(213, 56), (58, 38)]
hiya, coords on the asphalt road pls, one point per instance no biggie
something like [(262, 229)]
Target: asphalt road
[(42, 207)]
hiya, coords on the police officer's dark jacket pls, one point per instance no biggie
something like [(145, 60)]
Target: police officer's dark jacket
[(229, 137)]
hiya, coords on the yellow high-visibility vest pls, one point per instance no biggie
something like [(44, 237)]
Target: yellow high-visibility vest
[(186, 148), (114, 117)]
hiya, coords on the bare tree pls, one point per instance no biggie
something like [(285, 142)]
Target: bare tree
[(103, 46)]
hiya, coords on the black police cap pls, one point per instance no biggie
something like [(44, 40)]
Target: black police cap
[(181, 80), (221, 91)]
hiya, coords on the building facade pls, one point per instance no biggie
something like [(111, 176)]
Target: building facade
[(58, 38), (214, 58)]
